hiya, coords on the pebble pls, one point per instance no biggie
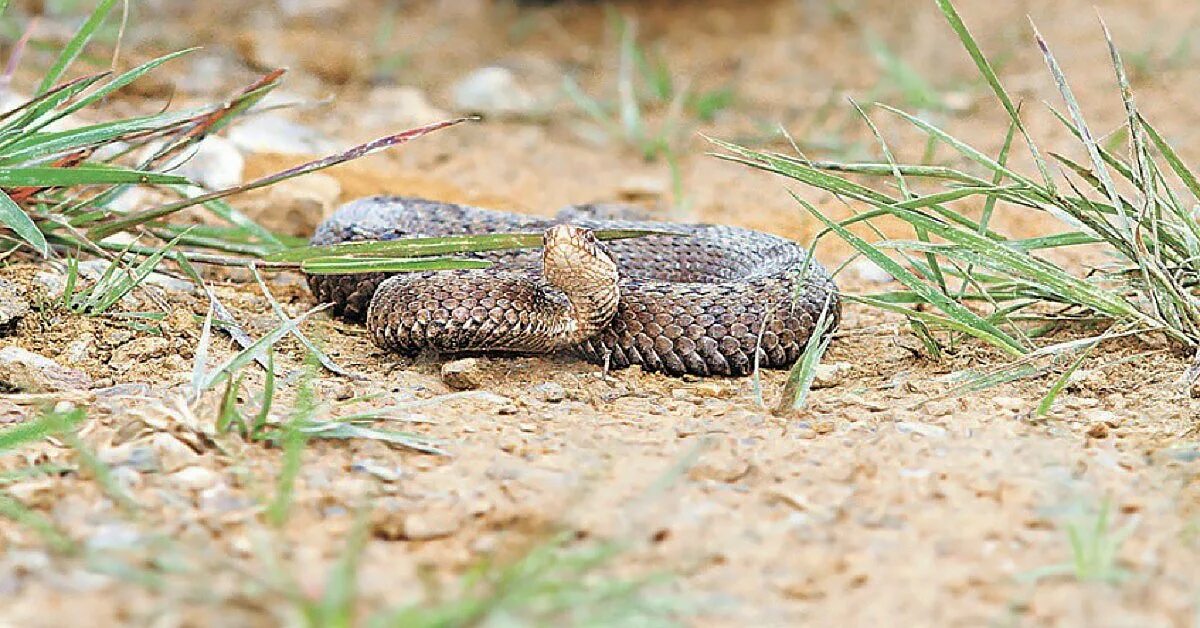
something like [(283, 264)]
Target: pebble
[(52, 283), (712, 390), (272, 133), (13, 305), (30, 372), (433, 523), (493, 91), (401, 107), (297, 206), (136, 458), (828, 375), (386, 473), (114, 536), (642, 187), (215, 163), (194, 478), (1112, 419), (462, 374), (550, 392), (866, 270), (219, 499)]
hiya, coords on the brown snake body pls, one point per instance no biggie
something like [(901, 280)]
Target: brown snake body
[(715, 300)]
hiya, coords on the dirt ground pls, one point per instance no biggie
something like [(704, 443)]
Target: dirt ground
[(885, 502)]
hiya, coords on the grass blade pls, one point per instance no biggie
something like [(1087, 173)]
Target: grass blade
[(15, 218), (76, 45), (800, 378), (989, 74), (255, 350)]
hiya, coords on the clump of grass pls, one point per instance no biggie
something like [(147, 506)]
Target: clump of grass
[(962, 278), (1095, 546), (554, 583)]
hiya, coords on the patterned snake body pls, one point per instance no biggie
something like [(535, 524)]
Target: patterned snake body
[(715, 300)]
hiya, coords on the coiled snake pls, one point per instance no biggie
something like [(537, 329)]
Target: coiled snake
[(714, 300)]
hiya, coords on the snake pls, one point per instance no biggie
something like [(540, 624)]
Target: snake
[(688, 299)]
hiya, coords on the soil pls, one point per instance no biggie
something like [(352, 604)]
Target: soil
[(887, 500)]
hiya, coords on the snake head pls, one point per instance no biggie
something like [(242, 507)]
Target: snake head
[(575, 262)]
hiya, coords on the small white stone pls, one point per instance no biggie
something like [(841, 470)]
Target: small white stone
[(828, 375), (194, 478), (866, 270), (215, 163), (402, 106), (493, 90), (550, 392), (275, 134), (1102, 416)]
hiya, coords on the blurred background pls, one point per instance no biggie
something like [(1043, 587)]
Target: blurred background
[(892, 511)]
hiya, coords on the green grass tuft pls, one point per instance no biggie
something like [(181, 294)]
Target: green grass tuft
[(967, 280)]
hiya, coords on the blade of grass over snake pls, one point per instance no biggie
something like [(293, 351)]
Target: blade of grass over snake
[(341, 265), (439, 245)]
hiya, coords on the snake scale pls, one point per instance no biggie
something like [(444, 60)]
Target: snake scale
[(705, 300)]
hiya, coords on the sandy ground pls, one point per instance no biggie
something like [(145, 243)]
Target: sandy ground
[(886, 502)]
